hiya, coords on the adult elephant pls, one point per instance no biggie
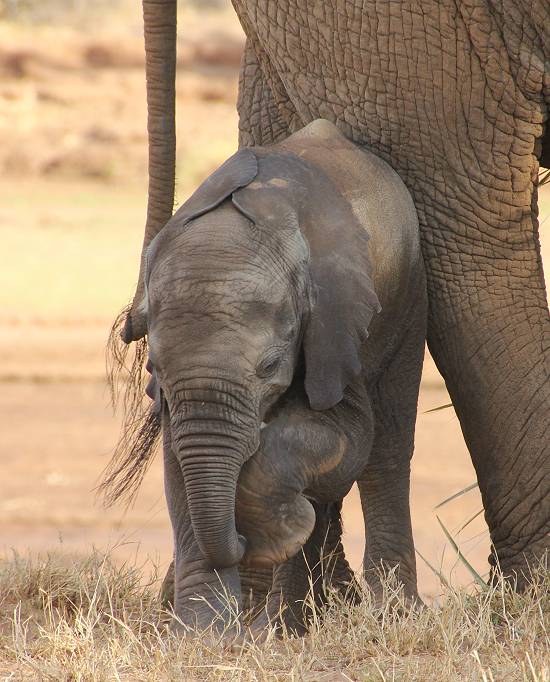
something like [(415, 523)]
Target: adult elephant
[(455, 95)]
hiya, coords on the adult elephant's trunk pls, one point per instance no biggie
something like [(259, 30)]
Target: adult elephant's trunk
[(159, 18), (212, 439)]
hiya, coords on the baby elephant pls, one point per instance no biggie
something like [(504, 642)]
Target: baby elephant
[(288, 290)]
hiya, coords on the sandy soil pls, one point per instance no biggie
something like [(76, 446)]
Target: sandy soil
[(72, 122)]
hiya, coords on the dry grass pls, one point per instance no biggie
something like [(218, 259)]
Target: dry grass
[(69, 618)]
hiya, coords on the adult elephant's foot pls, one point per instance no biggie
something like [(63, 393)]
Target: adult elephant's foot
[(524, 569)]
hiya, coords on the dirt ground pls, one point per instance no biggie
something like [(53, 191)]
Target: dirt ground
[(73, 150)]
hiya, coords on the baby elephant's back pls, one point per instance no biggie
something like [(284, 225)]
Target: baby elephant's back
[(378, 197)]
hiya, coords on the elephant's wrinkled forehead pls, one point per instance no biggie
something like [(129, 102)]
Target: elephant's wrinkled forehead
[(221, 258)]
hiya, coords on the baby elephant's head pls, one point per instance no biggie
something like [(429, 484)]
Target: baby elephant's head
[(265, 261)]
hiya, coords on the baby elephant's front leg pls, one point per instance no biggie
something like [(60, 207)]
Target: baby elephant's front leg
[(302, 455)]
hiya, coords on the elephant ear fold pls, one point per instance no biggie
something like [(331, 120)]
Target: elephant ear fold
[(238, 171), (291, 192)]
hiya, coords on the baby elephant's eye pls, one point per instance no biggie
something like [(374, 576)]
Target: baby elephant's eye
[(269, 364)]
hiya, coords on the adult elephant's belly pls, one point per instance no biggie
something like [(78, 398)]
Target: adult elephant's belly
[(420, 85)]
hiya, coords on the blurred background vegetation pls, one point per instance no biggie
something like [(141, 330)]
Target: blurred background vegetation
[(72, 11)]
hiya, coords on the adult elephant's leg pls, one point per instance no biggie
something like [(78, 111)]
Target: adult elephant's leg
[(384, 485), (489, 334), (473, 177), (266, 114), (203, 597)]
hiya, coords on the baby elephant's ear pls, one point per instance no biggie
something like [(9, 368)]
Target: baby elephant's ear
[(238, 171), (344, 302), (344, 299), (291, 192)]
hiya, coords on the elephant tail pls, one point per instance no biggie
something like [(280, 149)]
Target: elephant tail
[(141, 422)]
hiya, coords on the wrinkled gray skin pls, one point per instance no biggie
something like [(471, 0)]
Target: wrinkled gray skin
[(455, 96), (259, 292)]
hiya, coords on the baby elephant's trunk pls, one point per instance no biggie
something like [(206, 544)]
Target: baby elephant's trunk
[(212, 440)]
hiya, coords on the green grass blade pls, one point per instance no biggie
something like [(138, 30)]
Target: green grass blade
[(479, 580), (434, 570), (436, 409), (458, 494), (469, 521)]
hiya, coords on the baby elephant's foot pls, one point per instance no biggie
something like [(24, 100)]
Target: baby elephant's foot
[(167, 588), (277, 618), (275, 526), (388, 586)]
